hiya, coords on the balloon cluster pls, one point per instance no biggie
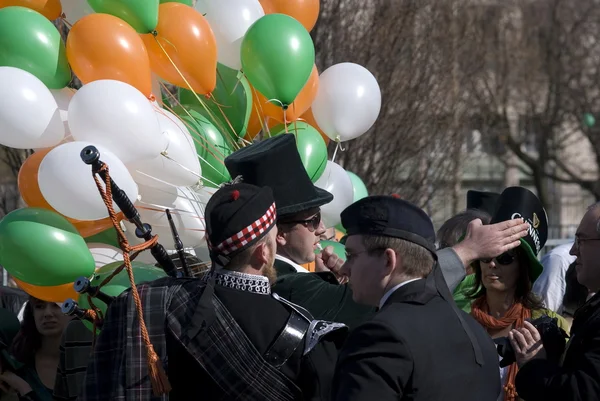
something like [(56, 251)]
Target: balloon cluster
[(243, 67)]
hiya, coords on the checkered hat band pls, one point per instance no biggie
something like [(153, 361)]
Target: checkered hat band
[(248, 234)]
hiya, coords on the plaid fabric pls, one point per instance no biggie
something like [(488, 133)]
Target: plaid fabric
[(243, 237), (75, 352), (118, 370)]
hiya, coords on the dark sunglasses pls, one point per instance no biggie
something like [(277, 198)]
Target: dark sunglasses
[(505, 259), (312, 224)]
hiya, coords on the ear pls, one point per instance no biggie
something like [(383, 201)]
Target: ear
[(259, 256), (392, 261), (281, 238)]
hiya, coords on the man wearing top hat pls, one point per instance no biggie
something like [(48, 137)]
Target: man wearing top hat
[(276, 163), (418, 346), (225, 336)]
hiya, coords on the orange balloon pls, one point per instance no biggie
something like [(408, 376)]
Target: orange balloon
[(101, 46), (184, 38), (32, 196), (55, 293), (305, 11), (299, 106), (310, 119), (309, 266), (51, 9)]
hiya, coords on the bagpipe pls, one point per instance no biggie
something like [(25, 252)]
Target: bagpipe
[(110, 193)]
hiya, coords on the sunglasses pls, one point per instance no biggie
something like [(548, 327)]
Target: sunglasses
[(505, 259), (312, 224)]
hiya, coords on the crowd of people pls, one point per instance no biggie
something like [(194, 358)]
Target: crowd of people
[(467, 313)]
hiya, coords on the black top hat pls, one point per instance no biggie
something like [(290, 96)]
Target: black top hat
[(481, 200), (389, 216), (237, 216), (275, 162), (519, 202)]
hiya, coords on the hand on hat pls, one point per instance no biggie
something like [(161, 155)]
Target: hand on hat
[(489, 241), (327, 260)]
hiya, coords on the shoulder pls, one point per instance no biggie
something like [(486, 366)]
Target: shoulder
[(376, 335)]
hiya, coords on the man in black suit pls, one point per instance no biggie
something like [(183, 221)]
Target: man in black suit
[(418, 346), (574, 375)]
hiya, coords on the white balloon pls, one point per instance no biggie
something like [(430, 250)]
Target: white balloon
[(104, 254), (67, 184), (348, 101), (63, 98), (29, 115), (187, 211), (74, 10), (230, 20), (179, 166), (336, 181), (117, 116)]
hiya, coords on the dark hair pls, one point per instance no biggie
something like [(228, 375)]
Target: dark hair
[(454, 229), (523, 293), (28, 340)]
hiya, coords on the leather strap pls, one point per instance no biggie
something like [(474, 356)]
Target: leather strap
[(288, 341)]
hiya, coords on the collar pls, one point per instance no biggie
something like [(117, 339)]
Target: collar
[(391, 291), (240, 281), (299, 269)]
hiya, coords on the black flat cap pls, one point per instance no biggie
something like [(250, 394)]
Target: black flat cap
[(237, 216), (389, 216), (275, 163)]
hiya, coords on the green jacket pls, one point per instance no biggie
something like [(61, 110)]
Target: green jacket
[(321, 294)]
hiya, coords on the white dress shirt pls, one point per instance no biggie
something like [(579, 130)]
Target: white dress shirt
[(391, 291), (296, 266)]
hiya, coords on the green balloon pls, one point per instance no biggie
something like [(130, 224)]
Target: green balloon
[(211, 147), (142, 15), (278, 56), (186, 2), (589, 120), (341, 228), (29, 41), (108, 237), (338, 248), (359, 187), (311, 146), (234, 98), (41, 247), (141, 273)]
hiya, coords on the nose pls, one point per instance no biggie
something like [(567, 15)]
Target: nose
[(492, 264), (574, 249), (49, 309), (321, 230), (345, 270)]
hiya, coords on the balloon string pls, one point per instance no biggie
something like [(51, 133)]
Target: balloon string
[(188, 84), (338, 146), (259, 111), (190, 127)]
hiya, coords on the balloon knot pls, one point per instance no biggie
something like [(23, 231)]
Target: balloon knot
[(152, 98), (63, 16), (208, 95), (285, 106), (154, 33)]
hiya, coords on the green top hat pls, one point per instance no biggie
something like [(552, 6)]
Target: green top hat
[(519, 202)]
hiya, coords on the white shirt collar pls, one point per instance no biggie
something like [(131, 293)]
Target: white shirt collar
[(391, 291), (296, 266)]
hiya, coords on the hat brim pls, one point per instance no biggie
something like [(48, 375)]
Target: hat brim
[(323, 197), (535, 266)]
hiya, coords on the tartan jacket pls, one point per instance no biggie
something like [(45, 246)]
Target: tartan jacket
[(118, 370)]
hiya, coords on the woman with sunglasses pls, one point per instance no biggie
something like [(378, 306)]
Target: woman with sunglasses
[(501, 294)]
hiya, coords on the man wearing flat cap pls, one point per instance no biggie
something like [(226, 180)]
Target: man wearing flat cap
[(225, 336), (275, 162), (419, 346)]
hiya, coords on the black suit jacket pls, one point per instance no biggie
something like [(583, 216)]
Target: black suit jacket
[(578, 379), (415, 349)]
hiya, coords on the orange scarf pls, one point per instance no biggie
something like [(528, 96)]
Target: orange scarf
[(515, 315)]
